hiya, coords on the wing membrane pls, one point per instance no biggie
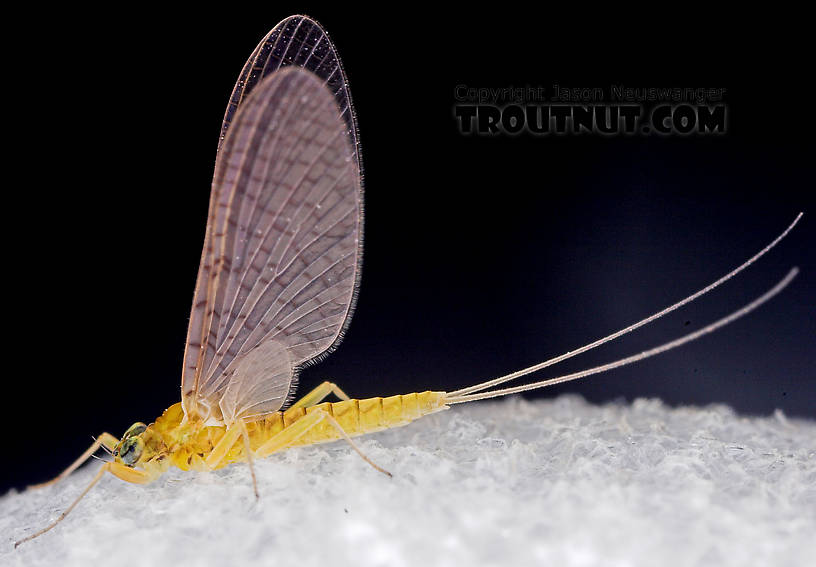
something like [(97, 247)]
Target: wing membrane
[(281, 258), (301, 42)]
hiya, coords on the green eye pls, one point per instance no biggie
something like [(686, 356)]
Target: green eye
[(136, 429), (131, 445), (131, 450)]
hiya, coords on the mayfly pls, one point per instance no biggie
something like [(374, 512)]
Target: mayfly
[(278, 280)]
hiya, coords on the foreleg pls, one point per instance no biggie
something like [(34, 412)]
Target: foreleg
[(104, 440), (117, 469)]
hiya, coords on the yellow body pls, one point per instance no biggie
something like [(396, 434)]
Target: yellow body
[(187, 445)]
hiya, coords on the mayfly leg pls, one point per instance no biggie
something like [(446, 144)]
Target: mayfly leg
[(226, 443), (104, 440), (301, 427), (117, 469), (319, 394), (222, 447), (287, 437), (248, 452), (354, 446)]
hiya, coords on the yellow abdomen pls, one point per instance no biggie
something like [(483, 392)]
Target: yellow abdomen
[(358, 417), (190, 448)]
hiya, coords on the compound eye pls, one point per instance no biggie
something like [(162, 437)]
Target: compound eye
[(131, 450), (136, 429)]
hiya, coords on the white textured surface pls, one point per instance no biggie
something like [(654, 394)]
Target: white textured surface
[(514, 483)]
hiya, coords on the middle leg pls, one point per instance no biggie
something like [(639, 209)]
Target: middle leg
[(226, 443)]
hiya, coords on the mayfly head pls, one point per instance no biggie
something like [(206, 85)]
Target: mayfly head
[(130, 448)]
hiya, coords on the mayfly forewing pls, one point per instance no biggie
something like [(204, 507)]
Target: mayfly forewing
[(284, 230), (296, 41)]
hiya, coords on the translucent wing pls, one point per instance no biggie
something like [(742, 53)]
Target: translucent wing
[(297, 41), (281, 259)]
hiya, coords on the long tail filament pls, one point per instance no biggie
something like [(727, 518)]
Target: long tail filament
[(458, 399), (464, 394)]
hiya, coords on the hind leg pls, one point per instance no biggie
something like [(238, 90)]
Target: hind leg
[(319, 394), (301, 427)]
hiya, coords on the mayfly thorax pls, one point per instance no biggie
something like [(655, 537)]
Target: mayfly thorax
[(278, 280)]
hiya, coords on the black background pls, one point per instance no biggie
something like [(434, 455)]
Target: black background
[(483, 255)]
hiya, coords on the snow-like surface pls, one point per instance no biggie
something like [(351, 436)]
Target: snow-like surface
[(513, 483)]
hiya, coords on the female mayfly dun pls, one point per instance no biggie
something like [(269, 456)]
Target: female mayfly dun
[(278, 279)]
